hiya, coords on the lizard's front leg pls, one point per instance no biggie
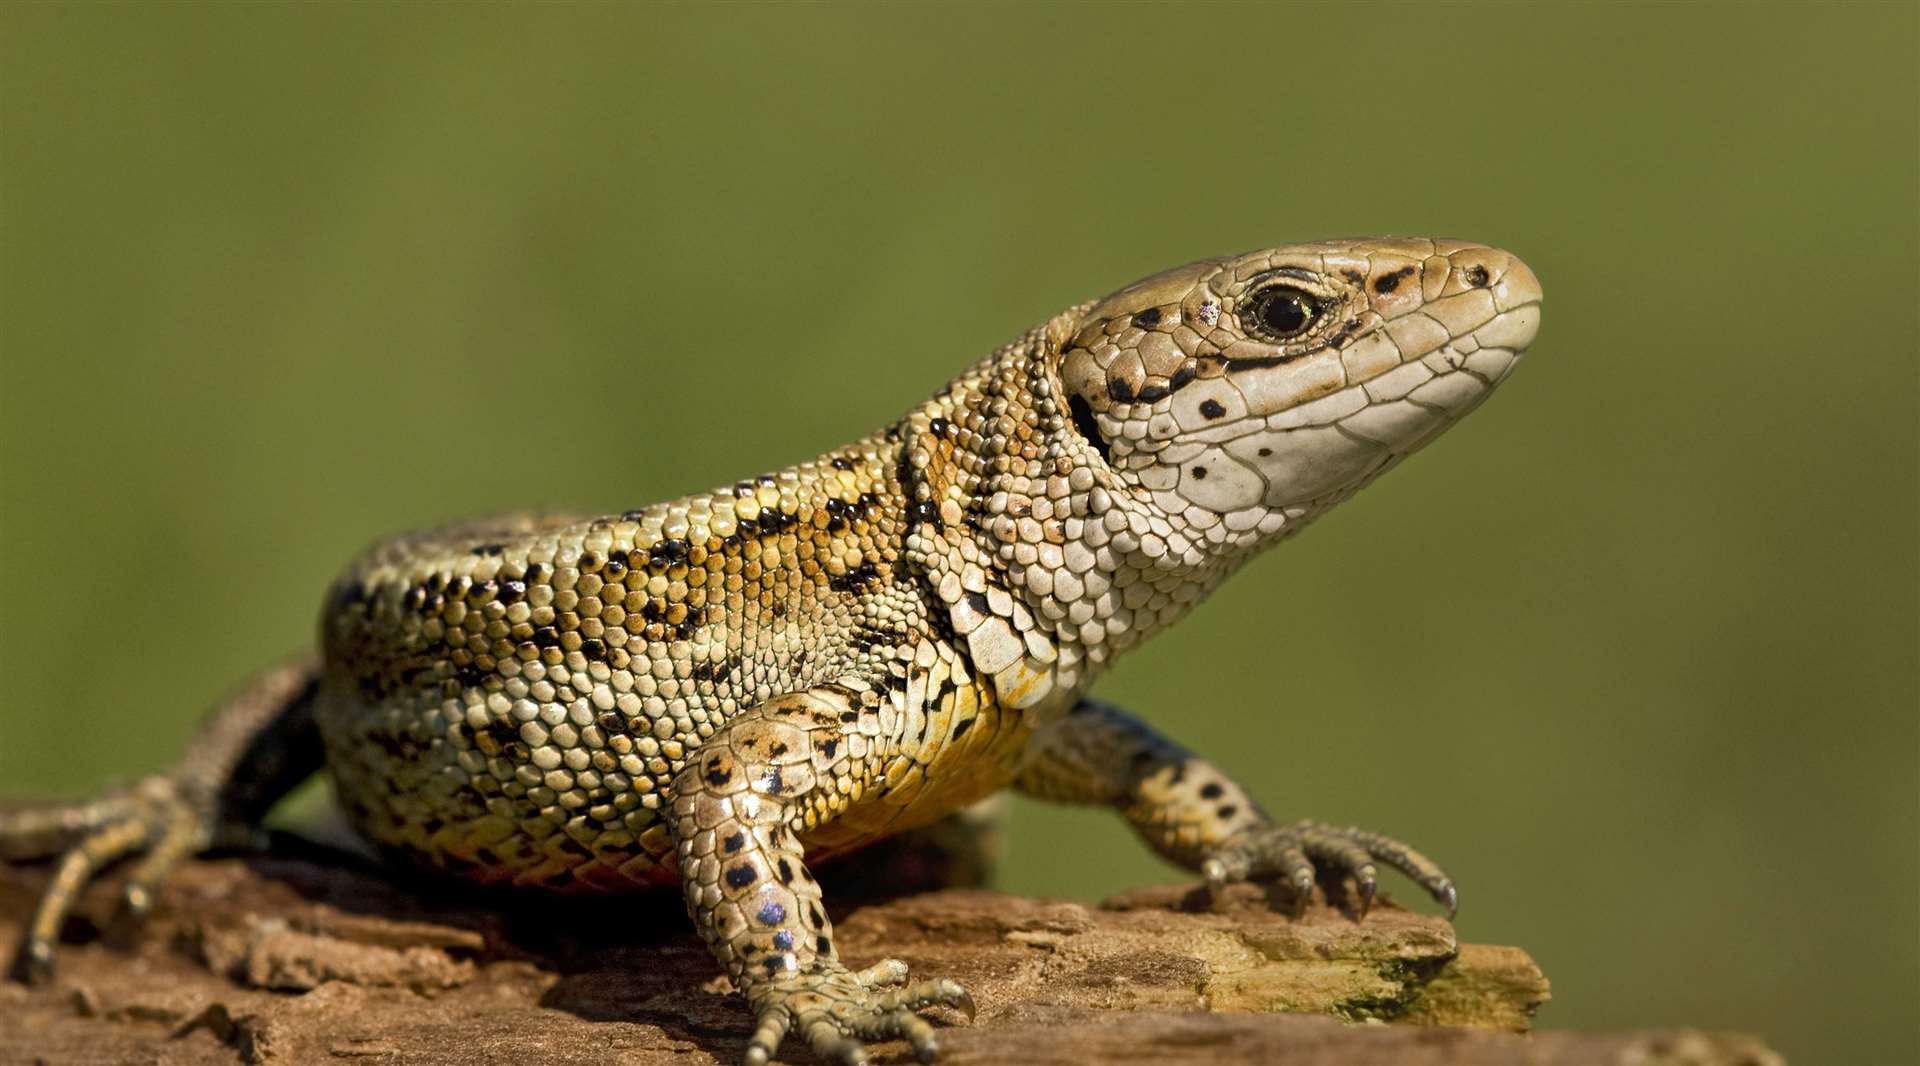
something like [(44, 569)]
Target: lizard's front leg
[(739, 807), (1192, 813)]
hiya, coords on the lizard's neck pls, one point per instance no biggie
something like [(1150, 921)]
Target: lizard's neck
[(1046, 563)]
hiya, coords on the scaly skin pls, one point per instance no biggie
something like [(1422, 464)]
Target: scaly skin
[(723, 688)]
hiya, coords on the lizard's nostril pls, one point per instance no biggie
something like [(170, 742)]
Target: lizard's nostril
[(1516, 286)]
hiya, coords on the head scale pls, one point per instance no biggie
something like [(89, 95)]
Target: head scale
[(1241, 397)]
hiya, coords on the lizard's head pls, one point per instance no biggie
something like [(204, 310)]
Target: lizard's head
[(1245, 395)]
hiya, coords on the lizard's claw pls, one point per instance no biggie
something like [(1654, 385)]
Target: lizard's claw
[(835, 1010), (1297, 853), (152, 817)]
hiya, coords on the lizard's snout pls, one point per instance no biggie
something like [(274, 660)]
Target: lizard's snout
[(1516, 297)]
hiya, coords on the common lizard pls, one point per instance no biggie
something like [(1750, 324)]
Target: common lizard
[(722, 690)]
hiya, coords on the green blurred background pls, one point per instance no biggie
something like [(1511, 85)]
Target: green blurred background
[(1633, 650)]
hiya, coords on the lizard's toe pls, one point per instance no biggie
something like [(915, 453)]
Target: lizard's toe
[(906, 1025), (151, 817), (772, 1028), (828, 1042), (33, 963), (835, 1011), (1297, 854), (1263, 855), (1423, 871), (940, 992), (883, 974)]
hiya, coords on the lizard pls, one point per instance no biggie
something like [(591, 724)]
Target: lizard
[(724, 690)]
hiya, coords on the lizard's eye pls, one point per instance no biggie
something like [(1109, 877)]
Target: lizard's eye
[(1280, 312)]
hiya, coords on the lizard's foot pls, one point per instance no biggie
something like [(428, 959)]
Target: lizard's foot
[(152, 817), (835, 1009), (1294, 853)]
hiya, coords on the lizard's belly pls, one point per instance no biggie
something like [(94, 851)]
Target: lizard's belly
[(465, 786)]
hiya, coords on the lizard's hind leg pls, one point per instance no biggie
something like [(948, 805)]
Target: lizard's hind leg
[(250, 751)]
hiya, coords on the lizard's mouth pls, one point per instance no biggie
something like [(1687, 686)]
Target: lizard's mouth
[(1369, 426)]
